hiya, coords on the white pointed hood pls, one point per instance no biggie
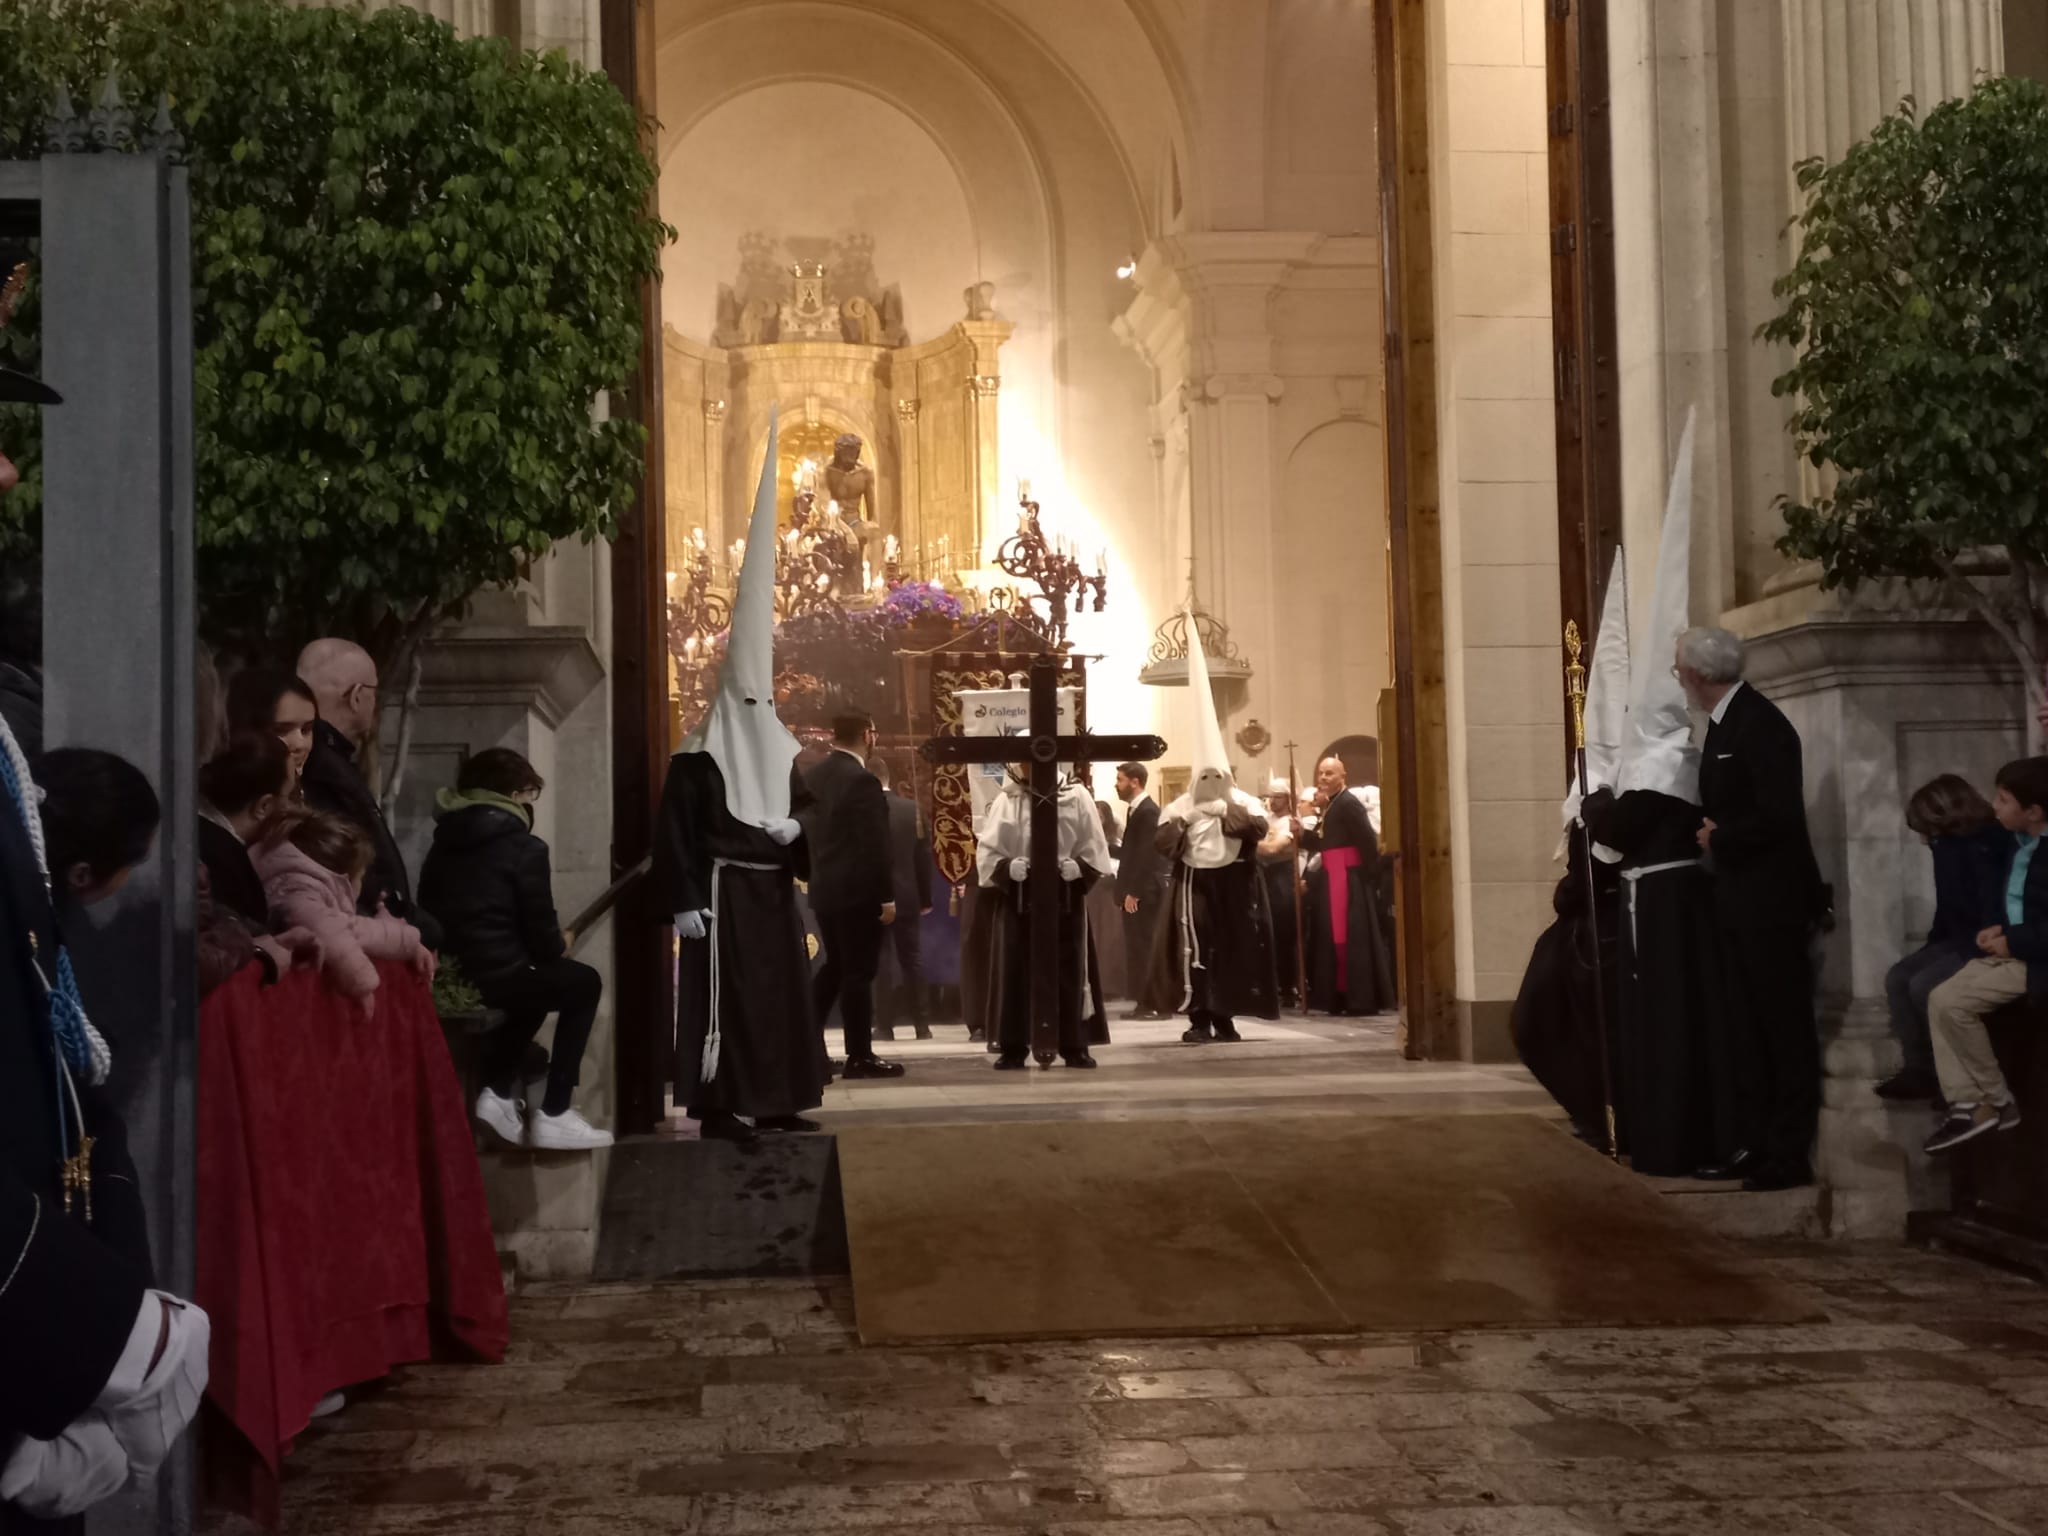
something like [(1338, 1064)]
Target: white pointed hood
[(1657, 751), (741, 731), (1210, 777)]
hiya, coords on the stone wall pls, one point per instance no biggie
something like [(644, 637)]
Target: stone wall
[(1502, 639)]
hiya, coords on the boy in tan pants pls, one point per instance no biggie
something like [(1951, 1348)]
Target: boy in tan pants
[(2012, 964)]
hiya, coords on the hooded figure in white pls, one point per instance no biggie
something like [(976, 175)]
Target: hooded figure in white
[(1002, 861), (1673, 1103), (729, 852), (1220, 944)]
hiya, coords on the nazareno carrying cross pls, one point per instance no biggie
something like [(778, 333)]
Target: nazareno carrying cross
[(1043, 749)]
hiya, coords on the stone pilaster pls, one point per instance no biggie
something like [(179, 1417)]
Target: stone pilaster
[(1847, 66)]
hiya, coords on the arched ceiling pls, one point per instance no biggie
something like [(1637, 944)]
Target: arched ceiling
[(1081, 80)]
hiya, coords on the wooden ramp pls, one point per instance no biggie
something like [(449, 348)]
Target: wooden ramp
[(1311, 1224)]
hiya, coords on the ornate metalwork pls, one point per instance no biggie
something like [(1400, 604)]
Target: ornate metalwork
[(64, 131), (1054, 568), (112, 121), (162, 135), (1167, 662), (696, 619)]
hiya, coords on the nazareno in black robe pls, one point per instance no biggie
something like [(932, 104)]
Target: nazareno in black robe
[(1669, 1044), (771, 1061), (1368, 984), (1082, 1020), (1555, 1029), (1218, 944)]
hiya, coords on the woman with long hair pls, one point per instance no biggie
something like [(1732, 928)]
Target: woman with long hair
[(278, 704), (1969, 850)]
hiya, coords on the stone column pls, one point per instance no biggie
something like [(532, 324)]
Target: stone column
[(1848, 65), (909, 504), (1234, 377), (716, 513)]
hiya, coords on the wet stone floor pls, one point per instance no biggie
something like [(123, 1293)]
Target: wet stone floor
[(1920, 1407)]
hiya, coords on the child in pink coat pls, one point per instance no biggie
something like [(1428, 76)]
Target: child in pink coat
[(312, 869)]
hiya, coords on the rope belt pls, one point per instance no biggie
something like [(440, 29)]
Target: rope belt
[(713, 1036), (1632, 876)]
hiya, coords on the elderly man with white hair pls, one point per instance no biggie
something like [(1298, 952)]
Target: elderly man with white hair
[(1768, 896), (343, 677)]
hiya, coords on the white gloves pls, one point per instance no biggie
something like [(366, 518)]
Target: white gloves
[(1020, 870), (148, 1407), (692, 925), (1069, 870), (55, 1479), (1216, 808), (784, 832)]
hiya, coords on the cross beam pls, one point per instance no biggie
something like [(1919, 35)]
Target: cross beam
[(1044, 749)]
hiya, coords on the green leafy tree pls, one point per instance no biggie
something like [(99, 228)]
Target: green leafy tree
[(418, 265), (1918, 311)]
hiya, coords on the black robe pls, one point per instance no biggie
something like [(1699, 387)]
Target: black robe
[(771, 1060), (1082, 1020), (1218, 941), (1278, 872), (1368, 985), (1555, 1028), (72, 1288), (1669, 1043)]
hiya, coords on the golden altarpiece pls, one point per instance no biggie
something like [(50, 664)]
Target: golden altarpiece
[(824, 341)]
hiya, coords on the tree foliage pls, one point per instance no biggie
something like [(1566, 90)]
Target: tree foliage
[(1918, 311), (418, 265)]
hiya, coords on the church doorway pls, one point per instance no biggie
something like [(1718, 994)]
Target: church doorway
[(998, 249)]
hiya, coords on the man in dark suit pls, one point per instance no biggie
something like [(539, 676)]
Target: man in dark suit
[(910, 875), (852, 893), (1767, 898), (343, 677), (1141, 877)]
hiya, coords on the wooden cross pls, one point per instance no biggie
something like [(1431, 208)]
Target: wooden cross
[(1044, 749)]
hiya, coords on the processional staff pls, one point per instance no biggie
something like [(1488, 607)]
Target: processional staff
[(1300, 937), (1575, 692)]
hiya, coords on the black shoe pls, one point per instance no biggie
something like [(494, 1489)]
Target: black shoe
[(788, 1125), (1010, 1062), (1765, 1180), (924, 1031), (1080, 1059), (1197, 1034), (720, 1126), (1912, 1086), (1227, 1033), (870, 1066), (1740, 1166)]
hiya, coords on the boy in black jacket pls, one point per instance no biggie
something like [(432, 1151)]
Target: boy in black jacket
[(488, 882), (2012, 963)]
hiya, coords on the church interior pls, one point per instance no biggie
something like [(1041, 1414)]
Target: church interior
[(1319, 373)]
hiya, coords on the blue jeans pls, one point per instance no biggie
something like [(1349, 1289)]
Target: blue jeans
[(1907, 986)]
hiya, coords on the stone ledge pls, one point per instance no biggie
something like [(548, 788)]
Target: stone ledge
[(546, 668)]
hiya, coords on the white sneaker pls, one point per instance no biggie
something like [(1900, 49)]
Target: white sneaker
[(501, 1115), (329, 1406), (566, 1132)]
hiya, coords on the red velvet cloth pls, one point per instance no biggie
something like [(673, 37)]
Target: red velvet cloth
[(342, 1225)]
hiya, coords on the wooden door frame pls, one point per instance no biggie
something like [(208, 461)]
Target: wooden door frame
[(1584, 367), (642, 978), (1425, 918)]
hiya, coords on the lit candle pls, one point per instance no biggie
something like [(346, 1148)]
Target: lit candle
[(697, 537), (890, 549), (671, 575), (1023, 488), (739, 553), (1102, 562)]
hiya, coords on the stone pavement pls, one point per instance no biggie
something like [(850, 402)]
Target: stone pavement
[(747, 1407)]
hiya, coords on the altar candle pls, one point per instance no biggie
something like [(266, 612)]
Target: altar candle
[(890, 549), (1023, 488)]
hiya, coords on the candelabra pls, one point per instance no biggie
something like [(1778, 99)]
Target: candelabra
[(1053, 567), (695, 621)]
